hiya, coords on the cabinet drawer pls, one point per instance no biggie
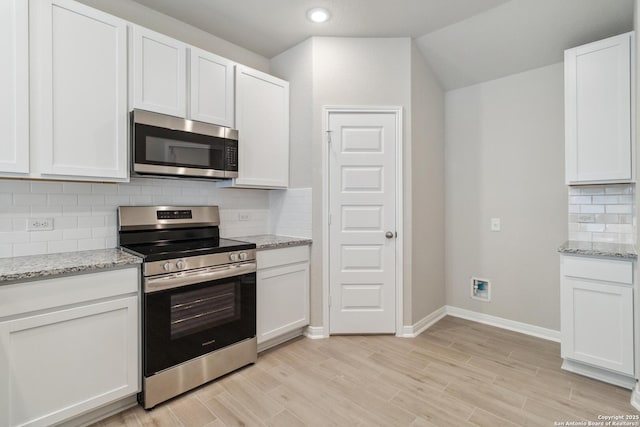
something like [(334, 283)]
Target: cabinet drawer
[(43, 294), (273, 257), (598, 269)]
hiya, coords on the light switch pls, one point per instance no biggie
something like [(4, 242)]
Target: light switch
[(495, 224)]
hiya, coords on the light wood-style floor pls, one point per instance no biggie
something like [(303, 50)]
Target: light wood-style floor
[(458, 373)]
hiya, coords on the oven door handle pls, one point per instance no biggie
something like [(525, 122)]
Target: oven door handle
[(176, 280)]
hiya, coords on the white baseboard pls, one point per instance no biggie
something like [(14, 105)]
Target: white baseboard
[(315, 332), (635, 397), (512, 325), (100, 413), (412, 331), (280, 339), (600, 374)]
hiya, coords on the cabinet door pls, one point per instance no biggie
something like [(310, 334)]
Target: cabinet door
[(14, 86), (211, 88), (597, 324), (159, 73), (79, 91), (598, 111), (282, 300), (60, 364), (262, 120)]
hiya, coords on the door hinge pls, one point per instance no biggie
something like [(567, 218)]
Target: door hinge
[(329, 219), (329, 136), (329, 300)]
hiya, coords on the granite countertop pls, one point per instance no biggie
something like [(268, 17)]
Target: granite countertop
[(41, 266), (597, 249), (272, 241)]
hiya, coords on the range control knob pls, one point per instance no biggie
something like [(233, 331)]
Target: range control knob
[(180, 265), (233, 257), (167, 266), (243, 256)]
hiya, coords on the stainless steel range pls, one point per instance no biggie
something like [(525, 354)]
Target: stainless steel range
[(198, 301)]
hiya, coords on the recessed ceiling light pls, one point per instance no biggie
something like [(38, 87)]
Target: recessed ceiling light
[(318, 15)]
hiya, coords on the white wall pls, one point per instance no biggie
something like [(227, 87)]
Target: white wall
[(504, 158), (426, 185), (296, 66), (84, 214), (142, 15)]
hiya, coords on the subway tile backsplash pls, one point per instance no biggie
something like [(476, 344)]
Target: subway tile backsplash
[(602, 213), (84, 214), (291, 212)]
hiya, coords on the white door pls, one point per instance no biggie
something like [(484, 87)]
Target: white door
[(362, 230)]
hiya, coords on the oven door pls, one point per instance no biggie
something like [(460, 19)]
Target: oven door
[(184, 322)]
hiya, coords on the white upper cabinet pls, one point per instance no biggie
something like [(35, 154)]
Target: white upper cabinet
[(598, 108), (262, 120), (14, 86), (211, 97), (78, 92), (165, 81), (159, 73)]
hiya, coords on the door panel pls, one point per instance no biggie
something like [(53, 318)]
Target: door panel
[(362, 262)]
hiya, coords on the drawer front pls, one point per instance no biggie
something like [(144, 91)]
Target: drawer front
[(273, 257), (606, 270), (44, 294)]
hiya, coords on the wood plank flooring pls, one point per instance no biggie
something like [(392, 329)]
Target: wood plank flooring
[(458, 373)]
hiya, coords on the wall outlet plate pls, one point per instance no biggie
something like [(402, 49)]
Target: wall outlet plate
[(496, 224), (39, 224), (243, 216)]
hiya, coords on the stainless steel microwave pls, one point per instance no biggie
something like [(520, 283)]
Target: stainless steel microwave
[(171, 146)]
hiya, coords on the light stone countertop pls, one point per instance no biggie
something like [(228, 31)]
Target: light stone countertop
[(273, 241), (44, 266), (598, 249)]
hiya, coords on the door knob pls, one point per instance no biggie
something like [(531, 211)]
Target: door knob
[(388, 235)]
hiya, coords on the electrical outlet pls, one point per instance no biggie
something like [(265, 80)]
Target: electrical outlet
[(495, 224), (243, 217), (40, 224)]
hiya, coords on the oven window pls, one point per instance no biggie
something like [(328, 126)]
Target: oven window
[(203, 309)]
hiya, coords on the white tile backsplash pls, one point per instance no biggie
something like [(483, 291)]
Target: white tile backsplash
[(291, 212), (85, 214), (602, 213)]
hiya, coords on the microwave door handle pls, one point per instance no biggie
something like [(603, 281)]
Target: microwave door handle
[(176, 280)]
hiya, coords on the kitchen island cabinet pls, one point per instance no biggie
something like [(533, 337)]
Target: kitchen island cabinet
[(599, 109), (597, 318), (68, 345), (282, 294)]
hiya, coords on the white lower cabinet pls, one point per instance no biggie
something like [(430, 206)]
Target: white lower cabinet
[(597, 299), (282, 294), (69, 346)]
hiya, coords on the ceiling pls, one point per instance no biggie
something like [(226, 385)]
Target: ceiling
[(464, 41)]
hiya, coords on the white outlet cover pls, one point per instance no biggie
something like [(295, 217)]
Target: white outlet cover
[(39, 224), (496, 224)]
